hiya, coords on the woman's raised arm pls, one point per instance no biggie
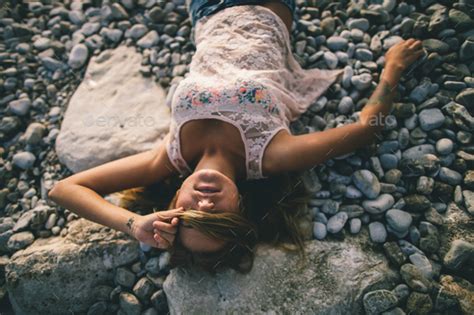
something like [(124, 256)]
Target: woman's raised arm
[(82, 193), (305, 151)]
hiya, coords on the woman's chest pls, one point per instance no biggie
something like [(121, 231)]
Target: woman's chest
[(199, 135)]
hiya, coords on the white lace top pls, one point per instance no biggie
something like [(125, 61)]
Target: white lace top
[(243, 72)]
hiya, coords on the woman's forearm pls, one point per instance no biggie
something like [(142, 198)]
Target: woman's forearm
[(90, 205), (380, 103)]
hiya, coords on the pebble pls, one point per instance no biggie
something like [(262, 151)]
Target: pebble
[(362, 82), (361, 24), (431, 119), (450, 176), (353, 193), (420, 303), (330, 206), (24, 160), (394, 253), (153, 265), (421, 92), (118, 12), (336, 222), (467, 49), (144, 288), (331, 59), (377, 232), (320, 217), (346, 105), (459, 254), (367, 183), (347, 76), (425, 185), (130, 304), (136, 32), (468, 196), (444, 146), (20, 107), (379, 205), (336, 43), (355, 225), (124, 277), (379, 301), (435, 45), (414, 278), (466, 97), (319, 230), (20, 240), (42, 43), (149, 40), (328, 25), (363, 54), (112, 35), (78, 56), (34, 133), (423, 264), (398, 220)]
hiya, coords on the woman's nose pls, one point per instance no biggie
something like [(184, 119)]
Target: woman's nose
[(205, 204)]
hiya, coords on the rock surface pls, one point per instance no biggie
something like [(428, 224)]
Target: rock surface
[(57, 274), (332, 282), (113, 99)]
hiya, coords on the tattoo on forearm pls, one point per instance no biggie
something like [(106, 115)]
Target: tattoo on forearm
[(379, 104), (383, 94), (129, 223)]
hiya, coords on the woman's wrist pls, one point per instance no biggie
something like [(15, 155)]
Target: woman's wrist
[(131, 225), (392, 74)]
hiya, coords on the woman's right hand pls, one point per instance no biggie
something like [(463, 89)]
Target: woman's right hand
[(146, 226), (403, 54)]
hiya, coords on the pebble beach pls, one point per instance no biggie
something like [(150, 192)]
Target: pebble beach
[(411, 191)]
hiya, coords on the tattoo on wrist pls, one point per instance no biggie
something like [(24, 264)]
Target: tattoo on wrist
[(130, 223)]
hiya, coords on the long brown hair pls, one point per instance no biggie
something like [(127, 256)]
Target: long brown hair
[(271, 210)]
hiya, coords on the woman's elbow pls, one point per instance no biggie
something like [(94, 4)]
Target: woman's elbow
[(56, 191)]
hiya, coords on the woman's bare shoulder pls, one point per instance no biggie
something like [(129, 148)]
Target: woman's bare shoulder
[(274, 152)]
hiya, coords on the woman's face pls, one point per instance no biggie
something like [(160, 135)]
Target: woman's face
[(206, 190)]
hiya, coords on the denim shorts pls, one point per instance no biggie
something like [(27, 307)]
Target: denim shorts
[(199, 8)]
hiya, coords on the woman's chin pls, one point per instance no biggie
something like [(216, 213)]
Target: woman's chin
[(211, 176)]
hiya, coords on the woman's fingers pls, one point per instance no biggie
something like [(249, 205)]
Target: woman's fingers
[(167, 227), (162, 242), (416, 45), (168, 237), (169, 214), (409, 41)]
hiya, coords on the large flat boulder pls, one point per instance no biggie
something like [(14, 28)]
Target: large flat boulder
[(57, 275), (333, 281), (115, 112)]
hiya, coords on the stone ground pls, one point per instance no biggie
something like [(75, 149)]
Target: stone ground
[(409, 198)]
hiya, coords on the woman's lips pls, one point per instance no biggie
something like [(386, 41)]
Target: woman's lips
[(207, 188)]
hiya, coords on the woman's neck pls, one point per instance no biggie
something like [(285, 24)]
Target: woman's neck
[(219, 160)]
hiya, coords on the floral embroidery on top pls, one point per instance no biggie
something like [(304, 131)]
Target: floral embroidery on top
[(243, 93)]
